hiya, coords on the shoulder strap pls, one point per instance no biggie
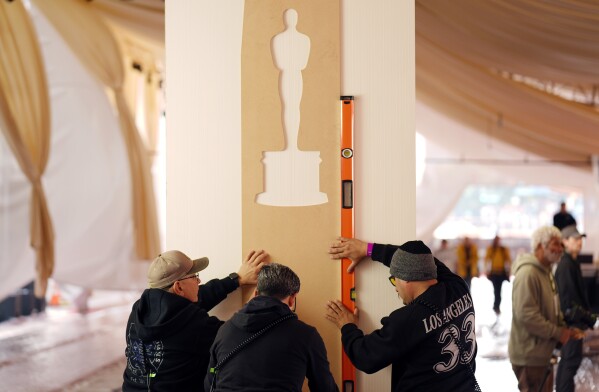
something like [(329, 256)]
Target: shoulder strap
[(214, 370)]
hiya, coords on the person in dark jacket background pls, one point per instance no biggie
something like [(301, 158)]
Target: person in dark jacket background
[(574, 303), (169, 331), (285, 351), (431, 341), (563, 218)]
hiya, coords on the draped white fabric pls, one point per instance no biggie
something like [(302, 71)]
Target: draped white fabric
[(91, 213), (470, 56), (467, 53), (465, 48), (95, 45), (25, 124), (443, 183)]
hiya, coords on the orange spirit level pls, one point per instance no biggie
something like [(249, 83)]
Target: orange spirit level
[(348, 293)]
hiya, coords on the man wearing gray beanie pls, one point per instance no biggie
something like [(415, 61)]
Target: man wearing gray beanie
[(430, 341)]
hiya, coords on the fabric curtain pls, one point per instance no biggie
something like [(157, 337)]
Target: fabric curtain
[(141, 24), (142, 86), (93, 42), (473, 55), (142, 19), (152, 113), (25, 123), (133, 80), (553, 40)]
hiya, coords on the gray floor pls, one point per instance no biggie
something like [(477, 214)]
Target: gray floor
[(63, 350)]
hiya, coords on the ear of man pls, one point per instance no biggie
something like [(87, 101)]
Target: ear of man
[(177, 288), (290, 300)]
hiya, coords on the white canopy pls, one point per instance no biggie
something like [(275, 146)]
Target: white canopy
[(513, 80)]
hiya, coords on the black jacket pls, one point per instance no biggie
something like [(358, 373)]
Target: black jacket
[(563, 219), (571, 289), (419, 339), (279, 360), (168, 338)]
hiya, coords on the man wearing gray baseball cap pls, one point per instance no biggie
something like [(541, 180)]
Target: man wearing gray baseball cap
[(169, 331), (574, 303), (438, 314)]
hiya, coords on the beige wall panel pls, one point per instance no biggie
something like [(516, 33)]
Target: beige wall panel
[(204, 149), (296, 236)]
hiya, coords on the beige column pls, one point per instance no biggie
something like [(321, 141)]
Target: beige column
[(205, 149)]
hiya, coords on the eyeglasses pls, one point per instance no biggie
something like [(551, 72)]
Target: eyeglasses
[(392, 280), (195, 276)]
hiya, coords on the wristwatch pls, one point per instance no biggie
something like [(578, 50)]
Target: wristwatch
[(234, 276)]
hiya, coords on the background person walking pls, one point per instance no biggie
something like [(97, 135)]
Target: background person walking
[(497, 267)]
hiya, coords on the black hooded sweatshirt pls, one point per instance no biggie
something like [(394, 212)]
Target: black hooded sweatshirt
[(279, 360), (168, 338), (419, 339)]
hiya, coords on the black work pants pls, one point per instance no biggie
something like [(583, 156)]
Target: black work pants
[(571, 357), (497, 281)]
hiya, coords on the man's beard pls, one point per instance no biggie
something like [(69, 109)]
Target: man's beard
[(553, 257)]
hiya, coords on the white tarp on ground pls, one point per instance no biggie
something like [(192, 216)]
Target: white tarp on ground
[(87, 185)]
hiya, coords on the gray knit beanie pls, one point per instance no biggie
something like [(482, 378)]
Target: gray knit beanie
[(413, 261)]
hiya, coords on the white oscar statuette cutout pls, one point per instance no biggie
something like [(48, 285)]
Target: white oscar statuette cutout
[(291, 176)]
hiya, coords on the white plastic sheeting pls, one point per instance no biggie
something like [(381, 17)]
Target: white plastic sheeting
[(87, 185), (443, 184)]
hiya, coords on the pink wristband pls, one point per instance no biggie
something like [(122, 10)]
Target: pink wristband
[(369, 249)]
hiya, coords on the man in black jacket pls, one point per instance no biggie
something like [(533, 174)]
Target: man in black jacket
[(431, 341), (285, 350), (169, 331), (563, 218), (575, 305)]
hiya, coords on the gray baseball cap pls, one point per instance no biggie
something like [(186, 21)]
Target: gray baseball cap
[(571, 231), (171, 266)]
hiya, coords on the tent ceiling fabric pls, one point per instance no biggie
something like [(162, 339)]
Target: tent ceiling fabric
[(138, 23), (467, 53), (463, 48)]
